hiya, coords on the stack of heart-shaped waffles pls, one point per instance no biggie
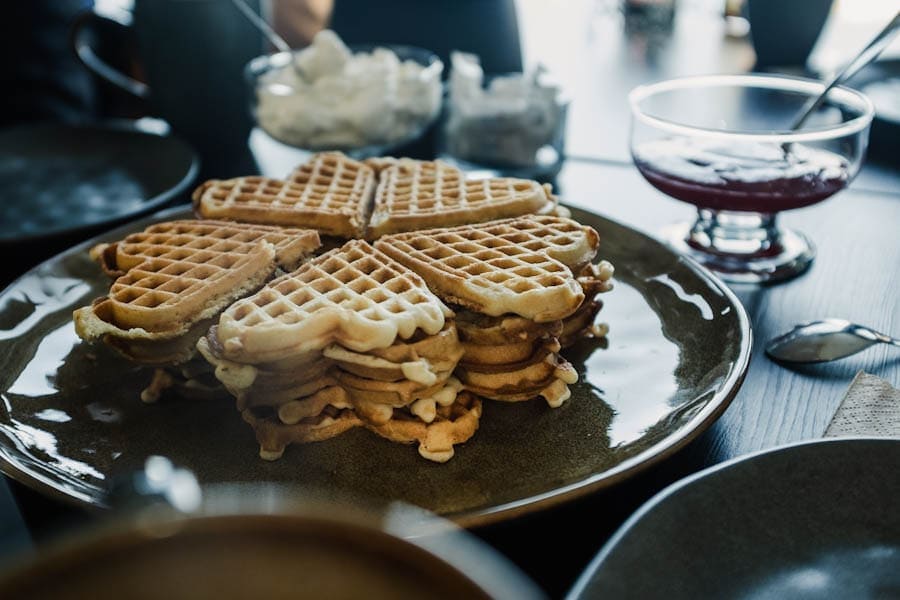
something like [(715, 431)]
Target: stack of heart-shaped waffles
[(402, 337)]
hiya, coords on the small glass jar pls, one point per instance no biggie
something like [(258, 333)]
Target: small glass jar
[(514, 125)]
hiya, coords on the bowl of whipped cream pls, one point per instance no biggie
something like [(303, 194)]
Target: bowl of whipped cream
[(364, 100)]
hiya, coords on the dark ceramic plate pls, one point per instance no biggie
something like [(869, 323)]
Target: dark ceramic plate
[(812, 520), (70, 417), (58, 179)]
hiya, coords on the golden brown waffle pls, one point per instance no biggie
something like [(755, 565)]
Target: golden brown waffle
[(483, 268), (176, 274), (330, 193), (414, 194), (292, 245), (189, 380), (259, 386), (380, 163), (388, 393), (291, 413), (504, 354), (354, 296), (273, 435), (453, 425), (381, 408), (580, 324), (163, 296), (544, 373), (594, 280), (554, 391), (140, 346), (562, 239), (419, 361), (540, 366), (475, 328)]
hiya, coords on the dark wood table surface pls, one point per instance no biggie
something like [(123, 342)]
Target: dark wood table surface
[(855, 276)]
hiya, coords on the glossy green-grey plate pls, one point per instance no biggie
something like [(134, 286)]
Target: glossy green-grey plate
[(809, 521), (678, 348)]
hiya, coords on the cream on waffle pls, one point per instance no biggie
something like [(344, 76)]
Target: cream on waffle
[(475, 328), (413, 194), (331, 193), (177, 278), (419, 360), (488, 269), (273, 435), (594, 279), (354, 296), (453, 424), (267, 385)]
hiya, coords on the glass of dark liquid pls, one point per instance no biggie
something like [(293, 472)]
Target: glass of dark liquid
[(721, 143)]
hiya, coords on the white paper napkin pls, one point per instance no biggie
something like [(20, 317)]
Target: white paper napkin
[(871, 407)]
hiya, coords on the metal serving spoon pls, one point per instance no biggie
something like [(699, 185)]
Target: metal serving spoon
[(276, 40), (821, 341), (865, 56)]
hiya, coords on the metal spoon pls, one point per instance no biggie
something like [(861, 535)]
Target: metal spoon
[(865, 56), (274, 39), (822, 341), (270, 34)]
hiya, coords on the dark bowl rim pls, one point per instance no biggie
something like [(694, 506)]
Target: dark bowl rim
[(147, 207), (578, 589)]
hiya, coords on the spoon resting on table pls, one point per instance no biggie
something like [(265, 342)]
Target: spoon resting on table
[(823, 341)]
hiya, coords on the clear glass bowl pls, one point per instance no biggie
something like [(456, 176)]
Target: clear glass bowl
[(507, 137), (720, 143), (367, 129)]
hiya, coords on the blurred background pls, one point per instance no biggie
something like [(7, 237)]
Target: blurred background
[(186, 57)]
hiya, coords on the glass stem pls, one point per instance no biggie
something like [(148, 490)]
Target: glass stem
[(736, 234)]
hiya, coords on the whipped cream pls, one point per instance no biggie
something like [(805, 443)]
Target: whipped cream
[(334, 98)]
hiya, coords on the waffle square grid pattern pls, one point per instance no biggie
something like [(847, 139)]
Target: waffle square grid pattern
[(335, 195), (330, 193), (416, 195), (488, 270), (356, 293)]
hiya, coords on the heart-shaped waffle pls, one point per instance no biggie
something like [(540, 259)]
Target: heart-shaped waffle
[(291, 245), (414, 194), (331, 193), (494, 268), (179, 273), (354, 296)]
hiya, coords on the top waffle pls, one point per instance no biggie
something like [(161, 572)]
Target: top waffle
[(331, 193), (495, 268), (164, 239), (415, 194), (175, 279), (354, 296)]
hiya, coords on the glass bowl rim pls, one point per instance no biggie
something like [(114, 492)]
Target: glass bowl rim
[(772, 82), (259, 65)]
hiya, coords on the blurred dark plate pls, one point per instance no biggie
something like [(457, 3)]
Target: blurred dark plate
[(57, 180), (880, 81), (71, 418), (813, 520), (264, 542)]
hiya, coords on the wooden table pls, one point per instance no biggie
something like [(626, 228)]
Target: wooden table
[(855, 276)]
